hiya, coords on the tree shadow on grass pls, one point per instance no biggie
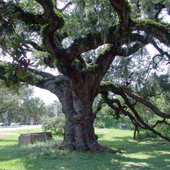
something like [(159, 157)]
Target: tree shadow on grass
[(135, 156), (6, 141), (144, 155), (151, 154), (101, 135)]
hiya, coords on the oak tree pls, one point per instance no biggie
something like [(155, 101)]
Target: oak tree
[(82, 40)]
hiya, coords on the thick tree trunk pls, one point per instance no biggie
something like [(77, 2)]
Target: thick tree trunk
[(76, 97), (79, 128), (79, 133)]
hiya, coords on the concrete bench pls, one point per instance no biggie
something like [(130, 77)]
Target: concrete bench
[(31, 138)]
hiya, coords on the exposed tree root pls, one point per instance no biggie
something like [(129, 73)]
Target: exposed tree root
[(94, 148), (99, 148)]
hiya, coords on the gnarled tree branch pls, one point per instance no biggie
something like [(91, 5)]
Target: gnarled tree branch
[(123, 93), (145, 102), (123, 9), (55, 84), (158, 30)]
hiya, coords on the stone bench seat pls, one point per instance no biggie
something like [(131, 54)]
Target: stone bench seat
[(31, 138)]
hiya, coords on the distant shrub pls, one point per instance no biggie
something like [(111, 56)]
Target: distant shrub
[(105, 121), (164, 128), (146, 134), (55, 125), (99, 124)]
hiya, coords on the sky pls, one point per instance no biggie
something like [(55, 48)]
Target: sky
[(45, 95)]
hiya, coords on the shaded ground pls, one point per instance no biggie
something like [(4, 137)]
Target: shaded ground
[(136, 155)]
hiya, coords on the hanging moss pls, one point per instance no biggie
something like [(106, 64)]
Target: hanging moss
[(104, 51), (59, 16), (90, 67), (147, 21), (107, 83), (58, 13)]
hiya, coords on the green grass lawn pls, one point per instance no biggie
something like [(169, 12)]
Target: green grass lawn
[(141, 155)]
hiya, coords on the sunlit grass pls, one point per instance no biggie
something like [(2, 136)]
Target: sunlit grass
[(141, 155), (28, 131)]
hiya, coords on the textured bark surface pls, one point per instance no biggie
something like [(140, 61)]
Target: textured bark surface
[(77, 106), (79, 133), (77, 102), (79, 128)]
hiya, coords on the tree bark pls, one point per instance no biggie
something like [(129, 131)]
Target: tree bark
[(79, 132), (79, 129), (77, 107)]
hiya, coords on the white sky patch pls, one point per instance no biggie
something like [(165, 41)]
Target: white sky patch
[(45, 95)]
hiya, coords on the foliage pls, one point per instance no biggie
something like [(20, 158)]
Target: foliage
[(54, 124), (104, 118), (33, 108), (145, 135), (8, 98)]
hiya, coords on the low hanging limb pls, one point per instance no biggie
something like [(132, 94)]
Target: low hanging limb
[(123, 92), (161, 122), (120, 109), (108, 86), (145, 102), (123, 95)]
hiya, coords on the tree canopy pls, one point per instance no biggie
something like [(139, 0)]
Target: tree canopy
[(85, 40)]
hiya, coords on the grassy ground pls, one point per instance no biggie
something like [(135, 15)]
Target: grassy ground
[(143, 155)]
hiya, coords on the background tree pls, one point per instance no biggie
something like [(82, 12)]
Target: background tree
[(82, 40), (7, 99), (32, 108), (19, 105)]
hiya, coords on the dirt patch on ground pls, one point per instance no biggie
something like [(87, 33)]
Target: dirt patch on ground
[(4, 134), (102, 130)]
